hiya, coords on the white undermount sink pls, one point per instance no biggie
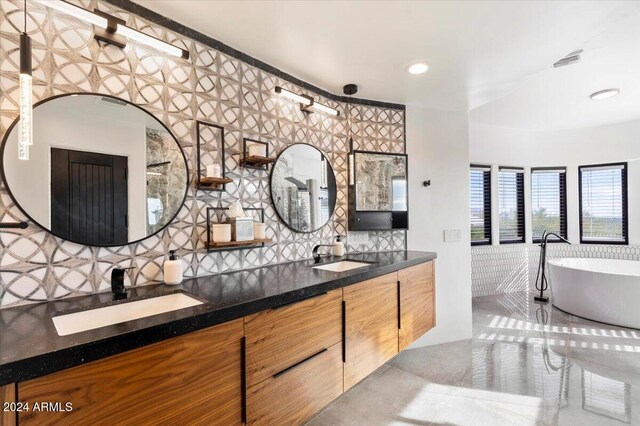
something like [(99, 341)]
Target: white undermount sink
[(342, 266), (115, 314)]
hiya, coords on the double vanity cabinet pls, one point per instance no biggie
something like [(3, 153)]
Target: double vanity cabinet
[(276, 366)]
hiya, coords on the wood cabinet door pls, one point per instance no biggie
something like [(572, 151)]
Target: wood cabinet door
[(371, 326), (7, 396), (191, 379), (417, 302)]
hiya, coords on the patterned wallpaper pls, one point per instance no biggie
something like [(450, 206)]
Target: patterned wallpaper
[(211, 87), (513, 267)]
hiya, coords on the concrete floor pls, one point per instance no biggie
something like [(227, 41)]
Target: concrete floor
[(527, 364)]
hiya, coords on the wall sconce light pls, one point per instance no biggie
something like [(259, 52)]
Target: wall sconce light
[(112, 30), (303, 100), (317, 106), (307, 103)]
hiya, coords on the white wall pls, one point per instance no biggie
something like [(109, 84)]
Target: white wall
[(570, 148), (438, 148)]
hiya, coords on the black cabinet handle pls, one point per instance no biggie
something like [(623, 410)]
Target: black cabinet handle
[(344, 331), (286, 370), (298, 301), (243, 379), (399, 312)]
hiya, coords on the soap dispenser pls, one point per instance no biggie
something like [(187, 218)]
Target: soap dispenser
[(172, 269), (338, 246)]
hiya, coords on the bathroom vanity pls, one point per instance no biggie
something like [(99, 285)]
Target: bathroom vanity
[(271, 345)]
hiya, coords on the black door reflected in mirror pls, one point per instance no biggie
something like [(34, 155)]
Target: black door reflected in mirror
[(101, 171), (303, 188)]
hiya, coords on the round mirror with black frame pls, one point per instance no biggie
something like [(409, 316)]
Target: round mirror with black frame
[(303, 188), (101, 171)]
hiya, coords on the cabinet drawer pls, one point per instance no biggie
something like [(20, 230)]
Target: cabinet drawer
[(296, 394), (280, 337)]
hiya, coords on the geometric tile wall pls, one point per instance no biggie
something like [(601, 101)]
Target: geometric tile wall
[(212, 87), (513, 267), (499, 269)]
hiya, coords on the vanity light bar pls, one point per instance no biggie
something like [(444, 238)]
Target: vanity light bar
[(78, 12), (303, 100), (156, 43), (307, 103), (113, 30), (323, 108)]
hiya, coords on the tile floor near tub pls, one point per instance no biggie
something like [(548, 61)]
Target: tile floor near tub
[(527, 364)]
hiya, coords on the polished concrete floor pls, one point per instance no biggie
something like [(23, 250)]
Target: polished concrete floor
[(527, 364)]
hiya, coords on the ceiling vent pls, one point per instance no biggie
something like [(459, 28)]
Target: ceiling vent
[(570, 59)]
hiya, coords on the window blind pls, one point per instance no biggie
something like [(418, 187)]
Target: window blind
[(511, 202), (480, 204), (548, 202), (603, 203)]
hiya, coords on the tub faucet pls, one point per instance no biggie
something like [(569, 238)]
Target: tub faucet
[(541, 275), (315, 254)]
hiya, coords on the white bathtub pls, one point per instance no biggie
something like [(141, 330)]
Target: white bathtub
[(603, 290)]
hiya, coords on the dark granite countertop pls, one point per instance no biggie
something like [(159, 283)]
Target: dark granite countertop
[(30, 346)]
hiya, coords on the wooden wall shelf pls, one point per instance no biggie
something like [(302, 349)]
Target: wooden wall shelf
[(232, 244), (213, 182), (257, 161), (203, 182)]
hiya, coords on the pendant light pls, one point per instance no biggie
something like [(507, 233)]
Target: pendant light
[(350, 90), (25, 129), (323, 172)]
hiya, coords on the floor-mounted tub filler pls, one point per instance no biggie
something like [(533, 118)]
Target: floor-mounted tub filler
[(603, 290)]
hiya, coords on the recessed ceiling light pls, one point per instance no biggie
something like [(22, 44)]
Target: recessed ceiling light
[(605, 94), (418, 68)]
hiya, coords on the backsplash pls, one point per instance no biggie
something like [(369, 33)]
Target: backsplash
[(211, 87), (513, 267)]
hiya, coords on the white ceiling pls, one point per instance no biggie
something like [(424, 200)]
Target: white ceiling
[(495, 55)]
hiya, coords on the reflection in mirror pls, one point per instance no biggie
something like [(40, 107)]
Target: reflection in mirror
[(101, 172), (303, 188), (381, 182)]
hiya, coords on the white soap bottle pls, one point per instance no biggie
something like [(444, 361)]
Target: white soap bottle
[(338, 246), (172, 269)]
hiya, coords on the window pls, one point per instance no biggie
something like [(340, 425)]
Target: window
[(511, 201), (399, 194), (480, 204), (603, 203), (548, 202)]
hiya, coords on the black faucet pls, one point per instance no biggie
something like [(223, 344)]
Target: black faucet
[(541, 283), (117, 283), (315, 254)]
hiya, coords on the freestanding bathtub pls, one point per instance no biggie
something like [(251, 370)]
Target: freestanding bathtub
[(603, 290)]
